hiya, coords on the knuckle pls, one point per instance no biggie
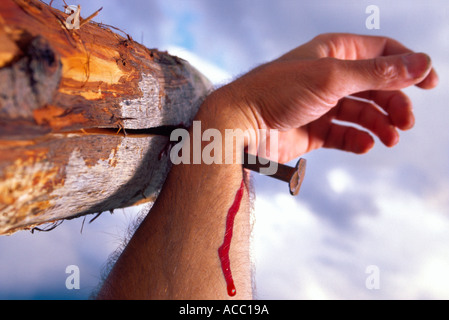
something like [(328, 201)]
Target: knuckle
[(328, 44), (384, 70)]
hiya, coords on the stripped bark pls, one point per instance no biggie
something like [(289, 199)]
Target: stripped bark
[(78, 108)]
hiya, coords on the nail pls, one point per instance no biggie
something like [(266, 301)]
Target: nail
[(292, 175), (417, 64)]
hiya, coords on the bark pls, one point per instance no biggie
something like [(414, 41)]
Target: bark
[(81, 116)]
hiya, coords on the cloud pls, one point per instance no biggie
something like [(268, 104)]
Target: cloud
[(302, 255), (215, 74), (32, 266)]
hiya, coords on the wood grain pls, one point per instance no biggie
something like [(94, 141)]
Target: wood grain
[(67, 98)]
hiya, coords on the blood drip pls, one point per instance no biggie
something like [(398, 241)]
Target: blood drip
[(223, 251)]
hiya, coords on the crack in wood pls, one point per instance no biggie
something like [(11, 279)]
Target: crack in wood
[(164, 131)]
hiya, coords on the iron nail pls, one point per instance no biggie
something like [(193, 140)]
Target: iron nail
[(294, 176)]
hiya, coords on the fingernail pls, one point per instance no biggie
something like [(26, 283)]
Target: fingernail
[(417, 64)]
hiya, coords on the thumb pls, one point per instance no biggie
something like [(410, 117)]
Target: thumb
[(387, 72)]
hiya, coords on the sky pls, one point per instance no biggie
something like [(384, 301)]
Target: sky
[(373, 226)]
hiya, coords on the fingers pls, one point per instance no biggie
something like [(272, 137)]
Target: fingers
[(386, 73), (369, 117), (393, 111), (430, 82), (324, 133), (382, 113), (348, 139), (396, 104), (374, 53)]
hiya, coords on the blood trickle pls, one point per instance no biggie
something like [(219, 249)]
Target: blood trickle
[(223, 251)]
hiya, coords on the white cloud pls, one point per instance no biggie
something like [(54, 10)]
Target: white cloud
[(215, 74), (339, 180), (300, 255)]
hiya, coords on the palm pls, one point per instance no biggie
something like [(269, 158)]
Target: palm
[(299, 141)]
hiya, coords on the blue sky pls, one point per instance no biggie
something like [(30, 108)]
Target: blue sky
[(388, 208)]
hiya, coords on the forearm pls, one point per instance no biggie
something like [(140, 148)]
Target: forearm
[(174, 253)]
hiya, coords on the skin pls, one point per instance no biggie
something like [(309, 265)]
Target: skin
[(173, 254)]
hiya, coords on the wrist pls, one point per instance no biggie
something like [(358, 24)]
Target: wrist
[(226, 111)]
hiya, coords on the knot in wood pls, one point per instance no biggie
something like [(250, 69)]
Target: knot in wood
[(29, 82)]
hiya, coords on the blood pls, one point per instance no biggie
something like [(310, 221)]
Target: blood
[(223, 251)]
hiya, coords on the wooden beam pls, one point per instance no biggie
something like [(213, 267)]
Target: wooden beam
[(78, 108)]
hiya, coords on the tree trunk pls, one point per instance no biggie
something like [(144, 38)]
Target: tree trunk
[(82, 111)]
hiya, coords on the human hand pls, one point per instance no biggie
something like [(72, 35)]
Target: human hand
[(305, 90)]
